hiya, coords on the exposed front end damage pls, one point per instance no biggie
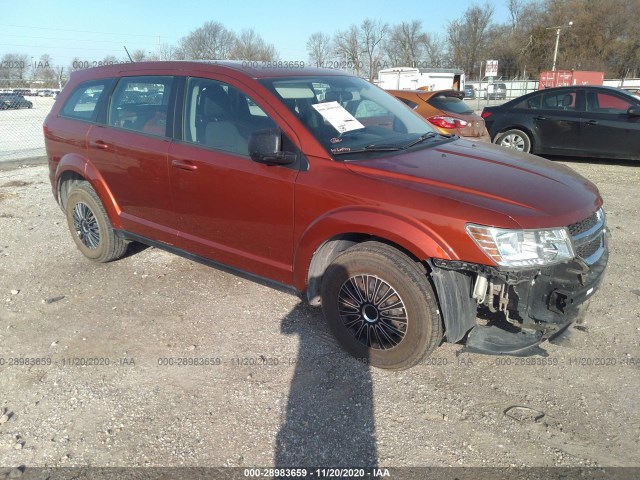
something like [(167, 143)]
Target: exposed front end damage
[(503, 311)]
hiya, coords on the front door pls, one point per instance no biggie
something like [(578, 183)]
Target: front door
[(607, 129), (231, 209)]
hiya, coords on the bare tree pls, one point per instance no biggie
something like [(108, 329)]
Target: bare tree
[(212, 41), (166, 52), (372, 33), (319, 49), (515, 12), (348, 49), (468, 37), (44, 69), (435, 52), (251, 46), (139, 56), (406, 44)]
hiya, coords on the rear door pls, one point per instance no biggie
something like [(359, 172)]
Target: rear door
[(607, 129), (131, 150)]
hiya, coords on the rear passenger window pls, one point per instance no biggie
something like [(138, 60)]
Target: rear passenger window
[(141, 104), (220, 116), (564, 100), (82, 103)]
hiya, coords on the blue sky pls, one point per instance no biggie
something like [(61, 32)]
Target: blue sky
[(93, 30)]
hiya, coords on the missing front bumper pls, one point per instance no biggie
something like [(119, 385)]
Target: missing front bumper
[(518, 310)]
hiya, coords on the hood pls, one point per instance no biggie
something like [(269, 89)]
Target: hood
[(533, 191)]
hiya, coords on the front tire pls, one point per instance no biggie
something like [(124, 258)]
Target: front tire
[(90, 226), (380, 306), (514, 139)]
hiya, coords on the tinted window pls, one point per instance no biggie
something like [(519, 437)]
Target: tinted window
[(82, 103), (606, 103), (450, 104), (534, 102), (141, 104), (564, 100), (411, 104), (220, 116)]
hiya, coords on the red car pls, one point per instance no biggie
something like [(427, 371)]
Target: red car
[(321, 183)]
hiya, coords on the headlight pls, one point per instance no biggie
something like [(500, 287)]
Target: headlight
[(523, 248)]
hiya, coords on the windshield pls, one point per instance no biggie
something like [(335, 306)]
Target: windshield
[(349, 115)]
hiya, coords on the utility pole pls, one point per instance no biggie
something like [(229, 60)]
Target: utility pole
[(555, 51)]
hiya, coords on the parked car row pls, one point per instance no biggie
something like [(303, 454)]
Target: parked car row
[(582, 121), (33, 92), (11, 100), (492, 91)]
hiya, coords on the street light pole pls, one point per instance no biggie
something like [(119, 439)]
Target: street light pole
[(555, 51)]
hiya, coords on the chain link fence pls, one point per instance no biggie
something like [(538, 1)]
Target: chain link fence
[(23, 108)]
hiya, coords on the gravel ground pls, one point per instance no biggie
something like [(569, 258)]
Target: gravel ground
[(84, 378)]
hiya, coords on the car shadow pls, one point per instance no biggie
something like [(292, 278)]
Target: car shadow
[(329, 418)]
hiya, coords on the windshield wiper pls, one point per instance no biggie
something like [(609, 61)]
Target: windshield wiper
[(420, 139), (368, 148)]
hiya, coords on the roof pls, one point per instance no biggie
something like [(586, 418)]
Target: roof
[(254, 69)]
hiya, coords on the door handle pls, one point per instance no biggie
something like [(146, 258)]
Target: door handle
[(99, 144), (540, 117), (184, 165), (592, 122)]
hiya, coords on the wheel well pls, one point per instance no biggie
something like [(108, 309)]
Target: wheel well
[(519, 127), (66, 183), (329, 250)]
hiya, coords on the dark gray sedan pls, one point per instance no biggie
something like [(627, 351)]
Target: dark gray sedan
[(11, 100)]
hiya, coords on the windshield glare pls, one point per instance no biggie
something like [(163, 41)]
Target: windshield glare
[(348, 114)]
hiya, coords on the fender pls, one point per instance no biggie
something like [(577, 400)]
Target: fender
[(83, 167), (406, 232)]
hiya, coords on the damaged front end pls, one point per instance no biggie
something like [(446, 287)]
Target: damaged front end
[(509, 310)]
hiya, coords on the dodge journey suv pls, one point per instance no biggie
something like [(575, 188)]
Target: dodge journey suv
[(320, 182)]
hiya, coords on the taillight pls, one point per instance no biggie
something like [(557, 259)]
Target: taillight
[(485, 114), (447, 122)]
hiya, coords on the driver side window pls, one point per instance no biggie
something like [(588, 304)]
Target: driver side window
[(221, 117)]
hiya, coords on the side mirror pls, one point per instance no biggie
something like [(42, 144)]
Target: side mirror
[(265, 147), (634, 111)]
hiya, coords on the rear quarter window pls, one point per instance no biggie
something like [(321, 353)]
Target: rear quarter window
[(82, 103)]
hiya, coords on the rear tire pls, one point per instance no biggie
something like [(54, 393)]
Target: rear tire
[(380, 306), (90, 226), (514, 139)]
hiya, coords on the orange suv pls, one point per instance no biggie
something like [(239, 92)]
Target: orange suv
[(320, 182)]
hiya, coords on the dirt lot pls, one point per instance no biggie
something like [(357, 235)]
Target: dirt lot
[(85, 380)]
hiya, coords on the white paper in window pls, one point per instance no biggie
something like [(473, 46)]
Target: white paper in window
[(337, 116)]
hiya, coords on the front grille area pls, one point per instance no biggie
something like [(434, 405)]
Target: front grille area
[(583, 225), (589, 248), (588, 237)]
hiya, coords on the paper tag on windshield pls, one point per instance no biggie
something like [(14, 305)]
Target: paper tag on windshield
[(337, 116)]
